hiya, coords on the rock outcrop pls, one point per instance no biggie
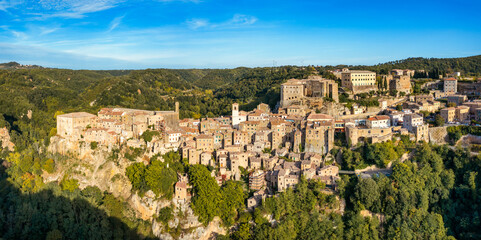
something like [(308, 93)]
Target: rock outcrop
[(5, 139)]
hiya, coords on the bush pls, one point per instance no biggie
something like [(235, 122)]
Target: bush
[(93, 145), (49, 166), (69, 184), (165, 215)]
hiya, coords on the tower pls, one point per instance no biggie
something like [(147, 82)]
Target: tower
[(236, 118), (176, 107), (235, 110)]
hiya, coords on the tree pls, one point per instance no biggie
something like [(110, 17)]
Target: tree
[(160, 179), (366, 193), (148, 135), (207, 196), (136, 175), (439, 120), (232, 199)]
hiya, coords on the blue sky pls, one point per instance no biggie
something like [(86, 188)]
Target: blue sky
[(120, 34)]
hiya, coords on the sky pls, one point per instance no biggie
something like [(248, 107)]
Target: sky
[(121, 34)]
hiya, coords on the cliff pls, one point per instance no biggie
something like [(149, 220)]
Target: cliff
[(99, 168)]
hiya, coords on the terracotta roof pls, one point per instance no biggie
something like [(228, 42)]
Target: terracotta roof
[(181, 185), (77, 115), (318, 116), (203, 136), (378, 117)]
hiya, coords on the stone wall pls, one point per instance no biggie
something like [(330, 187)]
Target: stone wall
[(438, 135), (171, 119)]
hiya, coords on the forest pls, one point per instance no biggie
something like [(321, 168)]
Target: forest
[(434, 196)]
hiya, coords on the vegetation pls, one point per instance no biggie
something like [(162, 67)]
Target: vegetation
[(210, 200), (456, 132), (379, 154), (158, 176), (434, 196), (432, 66)]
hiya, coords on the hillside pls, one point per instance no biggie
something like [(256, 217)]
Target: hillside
[(201, 92), (465, 65), (123, 193), (16, 65)]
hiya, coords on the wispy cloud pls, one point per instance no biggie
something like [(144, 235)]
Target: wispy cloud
[(241, 19), (71, 8), (196, 23), (237, 20), (19, 35), (45, 31), (115, 23), (6, 4)]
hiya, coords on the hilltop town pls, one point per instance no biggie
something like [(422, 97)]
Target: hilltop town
[(275, 147)]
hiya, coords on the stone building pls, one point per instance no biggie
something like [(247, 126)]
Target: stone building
[(257, 180), (450, 86), (457, 99), (331, 170), (462, 113), (358, 81), (448, 114), (319, 133), (72, 124), (294, 91), (401, 83), (379, 121), (354, 134), (412, 120), (205, 143), (422, 132)]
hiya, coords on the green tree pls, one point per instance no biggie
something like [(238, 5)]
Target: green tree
[(136, 175), (207, 196), (439, 120), (366, 193)]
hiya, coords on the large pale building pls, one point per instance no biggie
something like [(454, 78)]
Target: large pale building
[(294, 91), (401, 83), (450, 86), (359, 81), (72, 123)]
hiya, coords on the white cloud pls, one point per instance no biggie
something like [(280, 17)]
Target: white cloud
[(197, 23), (70, 8), (243, 19), (115, 23), (45, 30), (6, 4), (236, 21)]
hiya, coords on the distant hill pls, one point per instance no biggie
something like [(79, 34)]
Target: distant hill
[(16, 65), (465, 65)]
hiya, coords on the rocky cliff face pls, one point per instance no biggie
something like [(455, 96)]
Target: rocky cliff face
[(98, 168), (5, 139)]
